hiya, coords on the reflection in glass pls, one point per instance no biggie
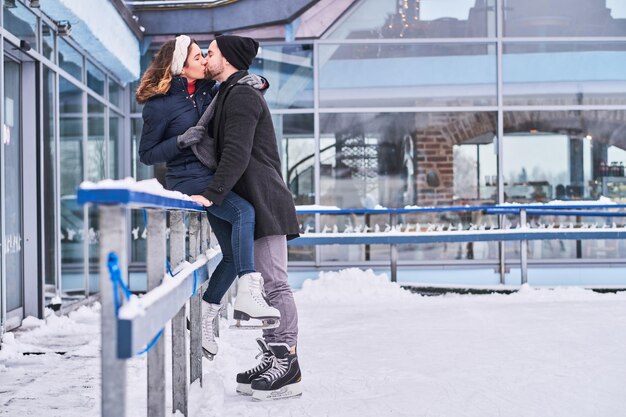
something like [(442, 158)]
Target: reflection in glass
[(374, 75), (115, 93), (535, 18), (289, 69), (294, 133), (49, 163), (96, 147), (71, 166), (582, 157), (13, 243), (115, 136), (411, 19), (70, 60), (47, 38), (22, 23), (398, 159), (297, 154), (95, 78), (564, 73)]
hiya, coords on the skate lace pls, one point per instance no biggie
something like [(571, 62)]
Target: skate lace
[(207, 329), (278, 368), (264, 361), (256, 288)]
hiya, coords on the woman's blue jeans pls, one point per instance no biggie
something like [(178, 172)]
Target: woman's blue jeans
[(232, 222)]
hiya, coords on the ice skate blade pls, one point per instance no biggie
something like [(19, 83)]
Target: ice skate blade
[(240, 315), (207, 354), (265, 324), (244, 389), (288, 391)]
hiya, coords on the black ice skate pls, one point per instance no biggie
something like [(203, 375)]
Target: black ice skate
[(282, 380), (245, 378)]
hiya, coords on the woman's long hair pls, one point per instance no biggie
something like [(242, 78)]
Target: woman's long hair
[(158, 77)]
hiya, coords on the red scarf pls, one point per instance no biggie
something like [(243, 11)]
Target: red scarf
[(191, 87)]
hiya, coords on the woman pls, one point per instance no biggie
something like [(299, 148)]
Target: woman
[(175, 94)]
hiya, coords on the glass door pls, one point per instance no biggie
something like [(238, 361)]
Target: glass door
[(12, 198)]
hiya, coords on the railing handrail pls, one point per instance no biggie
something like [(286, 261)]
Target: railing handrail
[(512, 208), (134, 199)]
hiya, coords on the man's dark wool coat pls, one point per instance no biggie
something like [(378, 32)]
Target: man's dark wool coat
[(248, 160)]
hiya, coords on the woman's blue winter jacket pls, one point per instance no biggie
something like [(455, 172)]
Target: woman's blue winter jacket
[(169, 115)]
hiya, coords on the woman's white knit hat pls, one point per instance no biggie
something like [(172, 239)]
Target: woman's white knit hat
[(180, 54)]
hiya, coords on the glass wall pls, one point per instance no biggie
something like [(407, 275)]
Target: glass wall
[(410, 75), (12, 171), (416, 121), (398, 105)]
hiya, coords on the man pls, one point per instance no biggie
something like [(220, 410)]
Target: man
[(249, 164)]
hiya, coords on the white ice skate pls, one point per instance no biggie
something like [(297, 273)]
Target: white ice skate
[(250, 303), (209, 345)]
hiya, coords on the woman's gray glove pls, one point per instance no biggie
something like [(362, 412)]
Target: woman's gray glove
[(255, 81), (193, 136)]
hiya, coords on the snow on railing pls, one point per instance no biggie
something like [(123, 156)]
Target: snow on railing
[(137, 324)]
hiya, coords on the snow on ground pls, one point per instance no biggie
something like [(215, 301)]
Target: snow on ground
[(368, 348)]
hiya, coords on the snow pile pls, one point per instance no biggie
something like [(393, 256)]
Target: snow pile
[(151, 186), (351, 285)]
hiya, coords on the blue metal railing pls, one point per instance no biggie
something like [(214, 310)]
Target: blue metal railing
[(522, 234), (135, 325)]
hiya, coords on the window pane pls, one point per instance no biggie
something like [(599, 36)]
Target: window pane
[(564, 73), (582, 155), (376, 19), (71, 166), (47, 35), (49, 161), (115, 93), (373, 75), (11, 170), (115, 136), (22, 23), (289, 69), (295, 134), (95, 78), (399, 159), (96, 151), (70, 60), (564, 18)]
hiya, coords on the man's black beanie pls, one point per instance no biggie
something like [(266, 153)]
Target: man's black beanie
[(238, 50)]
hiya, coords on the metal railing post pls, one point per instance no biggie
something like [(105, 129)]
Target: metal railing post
[(113, 239), (195, 306), (179, 340), (155, 259), (523, 250)]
